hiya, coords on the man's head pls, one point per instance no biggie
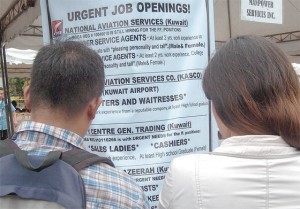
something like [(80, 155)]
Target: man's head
[(65, 77)]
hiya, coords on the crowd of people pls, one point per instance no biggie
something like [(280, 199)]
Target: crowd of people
[(255, 95)]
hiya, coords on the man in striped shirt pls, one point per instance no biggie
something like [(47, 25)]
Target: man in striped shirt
[(66, 83)]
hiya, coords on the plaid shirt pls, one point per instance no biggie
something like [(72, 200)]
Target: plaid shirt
[(106, 187)]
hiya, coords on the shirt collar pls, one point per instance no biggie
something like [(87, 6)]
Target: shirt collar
[(260, 145), (63, 134)]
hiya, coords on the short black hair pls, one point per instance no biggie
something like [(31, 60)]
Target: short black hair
[(66, 76)]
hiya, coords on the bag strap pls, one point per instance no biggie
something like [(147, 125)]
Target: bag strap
[(77, 158), (7, 147), (80, 159), (23, 159)]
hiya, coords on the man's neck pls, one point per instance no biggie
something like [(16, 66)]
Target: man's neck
[(77, 124)]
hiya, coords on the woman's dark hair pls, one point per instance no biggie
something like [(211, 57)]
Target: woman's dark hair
[(255, 89)]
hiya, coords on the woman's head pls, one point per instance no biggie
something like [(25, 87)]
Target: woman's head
[(254, 89)]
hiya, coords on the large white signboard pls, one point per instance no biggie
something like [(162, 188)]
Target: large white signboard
[(267, 11), (153, 106), (297, 69)]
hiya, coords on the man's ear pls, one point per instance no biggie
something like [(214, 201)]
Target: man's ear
[(26, 97), (93, 107)]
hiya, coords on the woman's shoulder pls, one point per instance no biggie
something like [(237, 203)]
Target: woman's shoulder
[(188, 163), (190, 158)]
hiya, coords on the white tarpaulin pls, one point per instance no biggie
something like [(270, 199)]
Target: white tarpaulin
[(17, 56), (20, 24), (297, 69)]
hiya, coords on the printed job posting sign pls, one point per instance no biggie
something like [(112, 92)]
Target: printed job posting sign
[(153, 105), (297, 69), (267, 11)]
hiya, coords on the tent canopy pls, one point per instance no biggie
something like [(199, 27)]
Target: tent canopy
[(20, 24), (228, 24), (25, 32)]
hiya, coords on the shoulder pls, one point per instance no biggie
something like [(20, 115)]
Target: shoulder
[(101, 180), (183, 169), (188, 166), (12, 107), (108, 170), (180, 182), (110, 175), (188, 161)]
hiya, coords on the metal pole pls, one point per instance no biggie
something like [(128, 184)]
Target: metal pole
[(9, 119), (49, 22), (3, 79), (210, 146), (229, 17), (2, 67)]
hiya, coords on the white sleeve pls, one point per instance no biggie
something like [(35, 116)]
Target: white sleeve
[(179, 187), (166, 194)]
